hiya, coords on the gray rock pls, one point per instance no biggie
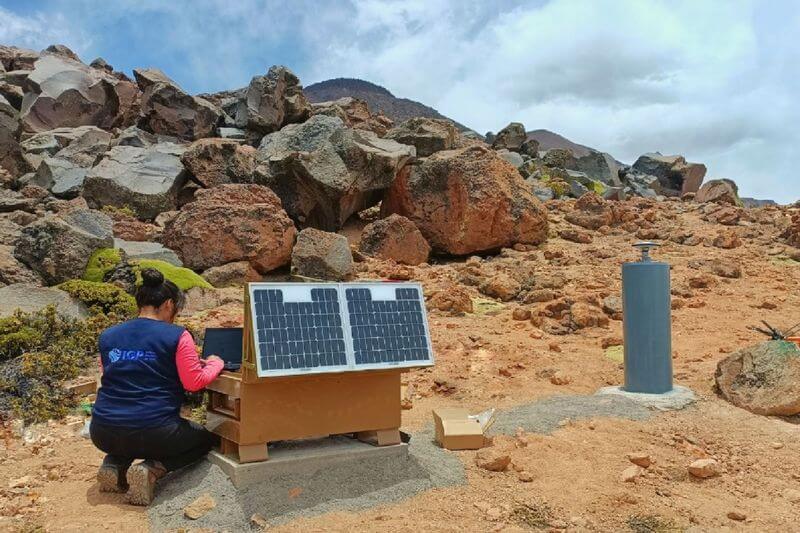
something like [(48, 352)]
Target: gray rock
[(615, 193), (13, 271), (559, 158), (145, 179), (540, 191), (51, 141), (530, 147), (133, 136), (675, 174), (580, 183), (233, 133), (14, 201), (64, 179), (512, 157), (272, 101), (88, 145), (58, 247), (322, 255), (644, 185), (324, 172), (9, 230), (30, 298), (65, 92), (511, 137), (599, 166), (14, 58), (167, 110), (11, 153), (427, 135), (148, 250)]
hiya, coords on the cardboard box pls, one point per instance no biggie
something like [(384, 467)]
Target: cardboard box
[(456, 429)]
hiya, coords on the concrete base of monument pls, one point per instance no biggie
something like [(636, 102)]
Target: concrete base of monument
[(305, 457), (678, 398)]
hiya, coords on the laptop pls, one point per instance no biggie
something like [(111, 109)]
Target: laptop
[(225, 343)]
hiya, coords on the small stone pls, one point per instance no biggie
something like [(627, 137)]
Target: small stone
[(521, 313), (492, 460), (19, 483), (560, 378), (630, 474), (199, 507), (525, 476), (704, 468), (793, 495), (554, 347), (777, 445), (737, 515), (640, 459), (259, 521)]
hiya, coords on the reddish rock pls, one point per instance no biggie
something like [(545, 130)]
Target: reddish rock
[(728, 240), (231, 274), (704, 468), (573, 235), (453, 299), (586, 315), (354, 113), (501, 286), (591, 212), (468, 200), (322, 255), (493, 460), (397, 238), (792, 233), (244, 223), (215, 161), (427, 135)]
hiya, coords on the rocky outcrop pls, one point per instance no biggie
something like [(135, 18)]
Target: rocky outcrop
[(14, 58), (510, 138), (764, 379), (144, 179), (396, 238), (272, 101), (599, 166), (13, 271), (354, 113), (324, 172), (322, 255), (58, 247), (427, 135), (167, 110), (213, 162), (676, 176), (719, 192), (11, 155), (243, 223), (466, 201), (63, 92)]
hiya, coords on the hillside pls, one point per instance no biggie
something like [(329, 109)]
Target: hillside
[(549, 140), (378, 98)]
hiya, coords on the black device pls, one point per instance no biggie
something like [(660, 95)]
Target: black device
[(225, 343)]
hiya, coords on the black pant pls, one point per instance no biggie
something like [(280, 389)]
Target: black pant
[(175, 445)]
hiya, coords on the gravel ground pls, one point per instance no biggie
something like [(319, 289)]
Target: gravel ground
[(361, 484)]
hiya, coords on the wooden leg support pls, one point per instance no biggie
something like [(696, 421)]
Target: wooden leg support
[(252, 453), (381, 437)]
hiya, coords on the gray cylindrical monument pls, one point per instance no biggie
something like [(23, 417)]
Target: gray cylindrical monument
[(647, 324)]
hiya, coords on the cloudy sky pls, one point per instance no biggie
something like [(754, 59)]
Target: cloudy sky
[(717, 81)]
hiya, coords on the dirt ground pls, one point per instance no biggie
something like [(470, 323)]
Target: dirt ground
[(573, 476)]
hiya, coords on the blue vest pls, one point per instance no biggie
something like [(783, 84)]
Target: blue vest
[(140, 386)]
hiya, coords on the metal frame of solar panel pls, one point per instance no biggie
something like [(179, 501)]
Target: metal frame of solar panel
[(308, 328)]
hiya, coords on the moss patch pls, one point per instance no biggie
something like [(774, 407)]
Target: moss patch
[(101, 262), (482, 306), (615, 353), (102, 297), (184, 278)]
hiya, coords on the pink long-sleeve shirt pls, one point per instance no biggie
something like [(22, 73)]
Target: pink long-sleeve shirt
[(194, 373)]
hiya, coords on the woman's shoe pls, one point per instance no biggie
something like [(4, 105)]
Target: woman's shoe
[(112, 478), (142, 478)]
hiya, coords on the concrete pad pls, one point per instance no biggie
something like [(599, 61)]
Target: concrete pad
[(303, 457), (678, 398)]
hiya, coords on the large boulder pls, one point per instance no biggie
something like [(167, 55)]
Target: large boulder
[(354, 113), (14, 58), (719, 192), (242, 223), (427, 135), (468, 200), (214, 162), (599, 166), (324, 172), (677, 177), (31, 298), (272, 101), (591, 212), (397, 238), (58, 247), (144, 179), (638, 184), (322, 255), (764, 379), (511, 137), (13, 271), (88, 144), (65, 92), (52, 141), (147, 250), (63, 178), (167, 110), (12, 158)]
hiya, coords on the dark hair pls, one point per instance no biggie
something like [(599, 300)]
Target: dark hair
[(155, 290)]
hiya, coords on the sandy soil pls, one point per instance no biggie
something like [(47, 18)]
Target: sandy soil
[(492, 360)]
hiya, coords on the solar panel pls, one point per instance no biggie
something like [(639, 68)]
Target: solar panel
[(306, 328)]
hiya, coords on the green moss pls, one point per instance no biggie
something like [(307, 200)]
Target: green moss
[(102, 297), (16, 337), (60, 349), (101, 262), (597, 187), (184, 278), (615, 353), (483, 306), (124, 211), (559, 187)]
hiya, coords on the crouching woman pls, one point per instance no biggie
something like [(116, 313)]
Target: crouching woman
[(147, 363)]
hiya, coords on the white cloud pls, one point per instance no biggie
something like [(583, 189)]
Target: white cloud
[(40, 31)]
